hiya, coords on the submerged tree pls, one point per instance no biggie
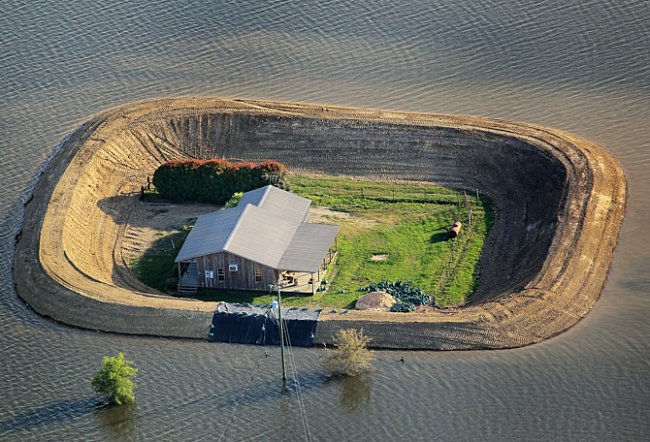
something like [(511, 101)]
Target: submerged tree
[(351, 357), (113, 379)]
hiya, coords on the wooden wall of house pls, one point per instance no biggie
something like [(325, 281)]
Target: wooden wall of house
[(242, 279)]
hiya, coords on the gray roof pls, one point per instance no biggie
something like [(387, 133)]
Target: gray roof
[(267, 226), (308, 247)]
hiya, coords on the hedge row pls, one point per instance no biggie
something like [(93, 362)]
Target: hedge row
[(215, 181)]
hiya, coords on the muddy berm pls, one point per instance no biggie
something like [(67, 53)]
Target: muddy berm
[(559, 203)]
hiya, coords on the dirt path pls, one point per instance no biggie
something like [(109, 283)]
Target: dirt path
[(559, 203)]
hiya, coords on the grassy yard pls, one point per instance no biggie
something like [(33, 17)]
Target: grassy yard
[(393, 231), (405, 225)]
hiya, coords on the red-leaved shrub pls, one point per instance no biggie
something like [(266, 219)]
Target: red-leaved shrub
[(215, 181)]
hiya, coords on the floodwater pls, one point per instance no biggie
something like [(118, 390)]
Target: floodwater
[(579, 66)]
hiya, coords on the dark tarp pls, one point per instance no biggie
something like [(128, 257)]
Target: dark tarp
[(253, 324)]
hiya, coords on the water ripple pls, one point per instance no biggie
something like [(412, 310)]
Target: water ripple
[(579, 66)]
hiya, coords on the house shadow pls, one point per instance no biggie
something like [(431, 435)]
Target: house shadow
[(156, 263)]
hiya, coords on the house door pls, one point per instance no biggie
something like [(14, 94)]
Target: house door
[(209, 278)]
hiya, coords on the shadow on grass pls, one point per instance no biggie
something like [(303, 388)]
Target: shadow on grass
[(240, 296), (439, 237), (250, 297), (157, 264), (352, 304)]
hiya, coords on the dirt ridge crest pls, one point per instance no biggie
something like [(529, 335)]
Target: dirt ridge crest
[(559, 203)]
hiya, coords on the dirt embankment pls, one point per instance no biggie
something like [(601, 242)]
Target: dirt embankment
[(559, 203)]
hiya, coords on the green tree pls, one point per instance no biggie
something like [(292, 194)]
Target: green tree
[(113, 379), (351, 357)]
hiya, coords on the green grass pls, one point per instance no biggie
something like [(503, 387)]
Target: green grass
[(406, 221), (251, 297), (157, 263)]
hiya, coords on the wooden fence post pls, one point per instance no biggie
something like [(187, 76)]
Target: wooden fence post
[(468, 206)]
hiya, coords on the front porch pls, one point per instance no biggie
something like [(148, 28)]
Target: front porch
[(188, 277), (306, 282)]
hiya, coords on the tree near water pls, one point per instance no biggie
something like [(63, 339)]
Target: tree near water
[(113, 379), (351, 357)]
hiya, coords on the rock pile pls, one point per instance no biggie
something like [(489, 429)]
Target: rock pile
[(375, 301)]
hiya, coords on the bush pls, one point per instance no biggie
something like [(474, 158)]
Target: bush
[(351, 357), (113, 379), (234, 200), (171, 283), (215, 181)]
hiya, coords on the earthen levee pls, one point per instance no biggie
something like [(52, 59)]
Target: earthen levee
[(559, 204)]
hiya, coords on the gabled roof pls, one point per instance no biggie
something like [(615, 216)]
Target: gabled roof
[(267, 226), (308, 247)]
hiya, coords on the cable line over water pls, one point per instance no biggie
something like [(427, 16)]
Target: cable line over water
[(296, 380)]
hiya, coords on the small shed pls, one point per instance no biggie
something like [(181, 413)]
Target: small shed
[(263, 241)]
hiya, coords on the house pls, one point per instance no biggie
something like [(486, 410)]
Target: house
[(263, 241)]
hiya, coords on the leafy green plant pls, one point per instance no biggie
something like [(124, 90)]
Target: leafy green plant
[(113, 379), (234, 200), (351, 357), (171, 283)]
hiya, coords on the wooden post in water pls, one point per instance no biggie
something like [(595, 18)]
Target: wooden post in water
[(284, 370)]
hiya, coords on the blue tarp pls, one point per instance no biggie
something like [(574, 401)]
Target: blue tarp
[(254, 324)]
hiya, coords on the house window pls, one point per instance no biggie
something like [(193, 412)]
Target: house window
[(221, 275), (258, 275), (232, 267)]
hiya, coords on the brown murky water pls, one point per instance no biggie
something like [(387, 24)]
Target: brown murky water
[(581, 68)]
